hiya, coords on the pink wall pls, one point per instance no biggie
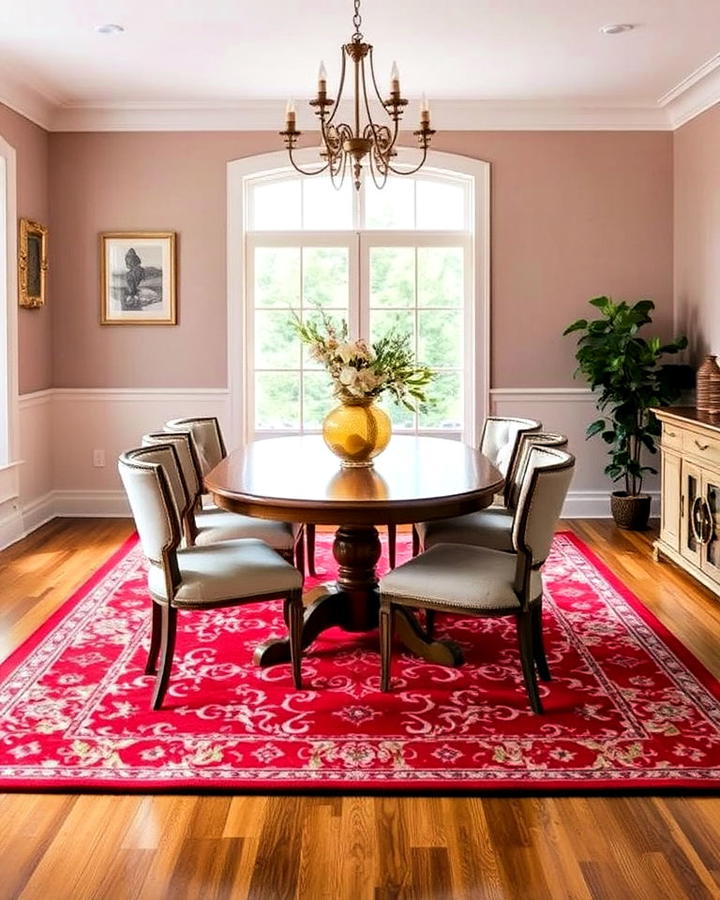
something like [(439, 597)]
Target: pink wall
[(574, 215), (697, 232), (34, 325)]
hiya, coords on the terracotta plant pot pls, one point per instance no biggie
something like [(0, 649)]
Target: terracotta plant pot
[(630, 512)]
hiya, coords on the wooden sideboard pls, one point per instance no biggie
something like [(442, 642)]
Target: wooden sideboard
[(690, 511)]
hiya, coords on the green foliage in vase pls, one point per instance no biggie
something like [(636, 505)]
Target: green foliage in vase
[(626, 371), (361, 372)]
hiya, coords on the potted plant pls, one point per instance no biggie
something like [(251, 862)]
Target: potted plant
[(625, 370)]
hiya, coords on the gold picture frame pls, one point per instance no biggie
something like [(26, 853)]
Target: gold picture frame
[(32, 264), (138, 278)]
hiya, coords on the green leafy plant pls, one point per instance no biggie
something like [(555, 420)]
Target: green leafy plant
[(625, 369), (359, 371)]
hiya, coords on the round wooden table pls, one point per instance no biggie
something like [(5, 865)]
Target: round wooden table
[(297, 479)]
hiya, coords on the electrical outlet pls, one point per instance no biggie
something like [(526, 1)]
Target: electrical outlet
[(98, 458)]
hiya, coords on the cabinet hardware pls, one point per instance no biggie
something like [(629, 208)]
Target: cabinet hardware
[(670, 433), (701, 446)]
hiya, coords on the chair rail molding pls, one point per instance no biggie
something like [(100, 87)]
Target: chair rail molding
[(60, 428), (570, 410)]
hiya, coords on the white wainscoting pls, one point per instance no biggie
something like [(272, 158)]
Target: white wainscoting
[(570, 411), (61, 428), (59, 431)]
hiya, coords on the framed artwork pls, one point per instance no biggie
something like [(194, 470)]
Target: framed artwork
[(137, 274), (32, 264)]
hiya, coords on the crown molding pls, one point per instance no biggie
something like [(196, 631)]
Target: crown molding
[(27, 101), (267, 115), (694, 94)]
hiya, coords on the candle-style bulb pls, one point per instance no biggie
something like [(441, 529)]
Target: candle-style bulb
[(322, 77), (290, 115), (424, 111), (395, 79)]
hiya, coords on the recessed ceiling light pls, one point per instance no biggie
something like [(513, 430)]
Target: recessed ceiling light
[(615, 29), (109, 29)]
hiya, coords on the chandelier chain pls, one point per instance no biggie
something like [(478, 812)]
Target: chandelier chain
[(357, 22)]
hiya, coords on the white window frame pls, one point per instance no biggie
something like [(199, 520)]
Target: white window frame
[(242, 172), (8, 324)]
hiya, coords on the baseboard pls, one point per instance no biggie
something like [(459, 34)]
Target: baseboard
[(11, 523), (38, 512), (113, 504), (91, 504), (596, 505)]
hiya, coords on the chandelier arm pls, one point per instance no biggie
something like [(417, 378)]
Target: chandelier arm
[(374, 81), (373, 165), (341, 169), (340, 89), (303, 171), (373, 125), (411, 171)]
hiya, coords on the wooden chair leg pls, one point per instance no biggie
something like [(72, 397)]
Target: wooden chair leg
[(538, 642), (310, 535), (385, 645), (430, 622), (525, 640), (415, 541), (392, 540), (300, 551), (167, 648), (294, 618), (155, 635)]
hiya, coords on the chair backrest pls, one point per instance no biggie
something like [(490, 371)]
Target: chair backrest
[(545, 485), (528, 440), (500, 438), (143, 472), (208, 439), (184, 446)]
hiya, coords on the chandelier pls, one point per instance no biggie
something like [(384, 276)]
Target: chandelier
[(344, 145)]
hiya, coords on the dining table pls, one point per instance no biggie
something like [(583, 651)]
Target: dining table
[(298, 479)]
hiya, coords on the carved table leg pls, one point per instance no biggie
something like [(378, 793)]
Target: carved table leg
[(355, 605)]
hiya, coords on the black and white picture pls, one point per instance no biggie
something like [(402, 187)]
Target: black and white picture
[(138, 278)]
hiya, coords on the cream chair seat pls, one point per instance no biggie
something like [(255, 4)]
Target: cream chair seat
[(477, 581), (491, 527), (226, 574), (203, 526)]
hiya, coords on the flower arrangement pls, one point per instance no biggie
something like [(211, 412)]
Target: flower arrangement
[(361, 372)]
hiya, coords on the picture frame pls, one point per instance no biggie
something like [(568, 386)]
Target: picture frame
[(32, 264), (137, 278)]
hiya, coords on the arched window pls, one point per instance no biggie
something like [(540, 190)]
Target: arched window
[(412, 256)]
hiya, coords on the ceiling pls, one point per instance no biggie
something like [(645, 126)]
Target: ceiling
[(220, 54)]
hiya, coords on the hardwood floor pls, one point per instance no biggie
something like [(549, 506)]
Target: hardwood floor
[(355, 847)]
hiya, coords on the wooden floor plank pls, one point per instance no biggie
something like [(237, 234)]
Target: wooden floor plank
[(354, 847)]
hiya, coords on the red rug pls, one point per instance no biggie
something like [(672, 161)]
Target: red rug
[(628, 706)]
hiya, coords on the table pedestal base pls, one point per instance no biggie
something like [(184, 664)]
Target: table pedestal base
[(355, 604)]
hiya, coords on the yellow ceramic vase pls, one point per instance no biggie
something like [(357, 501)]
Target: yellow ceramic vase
[(357, 431)]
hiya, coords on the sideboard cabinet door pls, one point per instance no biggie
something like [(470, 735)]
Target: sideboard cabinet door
[(711, 555), (692, 513), (671, 500)]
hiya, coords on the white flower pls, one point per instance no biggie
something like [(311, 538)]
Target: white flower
[(348, 376)]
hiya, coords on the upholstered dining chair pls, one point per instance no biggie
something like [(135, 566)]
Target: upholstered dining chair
[(491, 527), (203, 526), (477, 581), (221, 575), (209, 449), (500, 442)]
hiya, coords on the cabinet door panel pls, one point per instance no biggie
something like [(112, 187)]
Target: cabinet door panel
[(690, 546), (671, 502), (711, 551)]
